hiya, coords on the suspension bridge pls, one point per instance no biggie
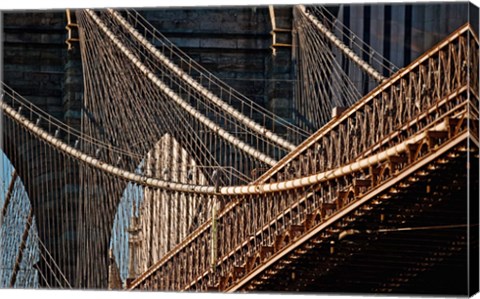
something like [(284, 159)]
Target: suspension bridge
[(186, 184)]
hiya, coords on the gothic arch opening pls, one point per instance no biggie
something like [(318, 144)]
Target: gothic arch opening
[(150, 222), (18, 232)]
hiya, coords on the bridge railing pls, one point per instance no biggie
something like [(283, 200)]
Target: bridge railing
[(410, 100), (389, 129), (258, 226)]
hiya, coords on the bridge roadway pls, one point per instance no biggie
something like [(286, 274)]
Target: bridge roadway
[(410, 127)]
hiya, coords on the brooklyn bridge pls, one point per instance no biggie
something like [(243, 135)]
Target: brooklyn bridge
[(250, 149)]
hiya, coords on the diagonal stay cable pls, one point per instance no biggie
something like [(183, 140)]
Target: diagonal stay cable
[(197, 86), (173, 96), (347, 51)]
